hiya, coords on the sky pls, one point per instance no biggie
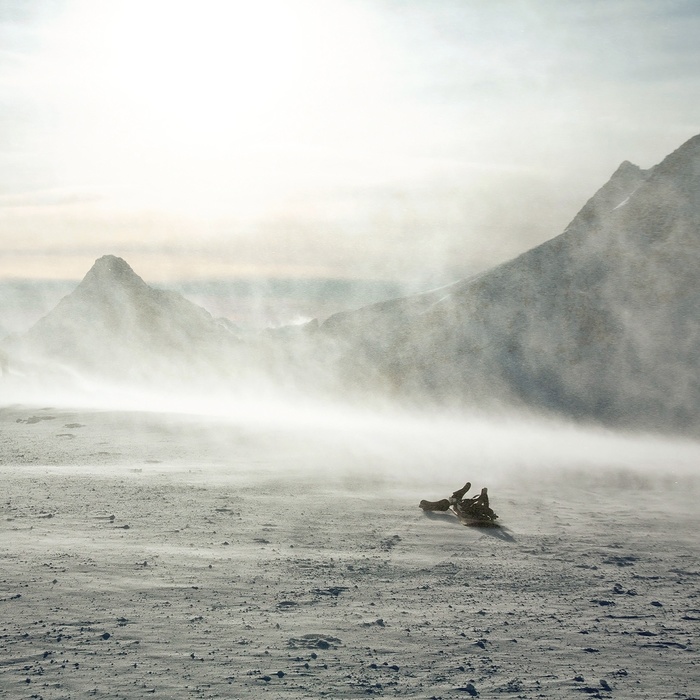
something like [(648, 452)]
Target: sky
[(412, 140)]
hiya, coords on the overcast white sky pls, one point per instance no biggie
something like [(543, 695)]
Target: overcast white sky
[(399, 139)]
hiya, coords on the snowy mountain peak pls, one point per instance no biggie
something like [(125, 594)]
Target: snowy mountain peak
[(601, 323), (627, 169), (115, 324), (682, 167), (613, 194), (109, 270), (112, 264), (674, 183)]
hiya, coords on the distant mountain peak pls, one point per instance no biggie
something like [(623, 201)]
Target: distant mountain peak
[(114, 324), (614, 193), (683, 165), (626, 168), (692, 144), (109, 270), (111, 265)]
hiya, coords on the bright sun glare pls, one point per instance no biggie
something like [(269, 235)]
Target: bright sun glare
[(212, 106)]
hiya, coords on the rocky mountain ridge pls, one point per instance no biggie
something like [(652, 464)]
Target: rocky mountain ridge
[(600, 323)]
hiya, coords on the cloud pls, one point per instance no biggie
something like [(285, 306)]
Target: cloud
[(47, 198), (405, 139)]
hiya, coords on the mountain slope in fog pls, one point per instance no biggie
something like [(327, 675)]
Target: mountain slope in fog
[(601, 322), (114, 324)]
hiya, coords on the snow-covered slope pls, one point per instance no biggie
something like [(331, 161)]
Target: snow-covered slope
[(602, 322)]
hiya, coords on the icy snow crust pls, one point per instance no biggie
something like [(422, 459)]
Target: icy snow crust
[(186, 556)]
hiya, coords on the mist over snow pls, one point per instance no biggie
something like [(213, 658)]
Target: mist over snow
[(113, 325), (600, 324), (274, 274)]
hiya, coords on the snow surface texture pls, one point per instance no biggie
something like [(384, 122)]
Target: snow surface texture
[(146, 555)]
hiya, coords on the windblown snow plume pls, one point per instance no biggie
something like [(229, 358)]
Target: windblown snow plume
[(599, 324)]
